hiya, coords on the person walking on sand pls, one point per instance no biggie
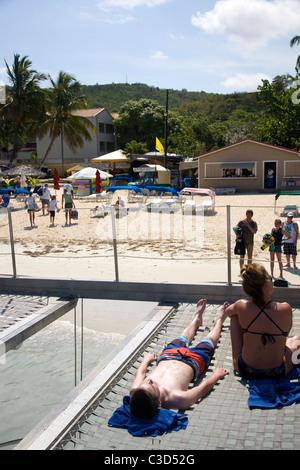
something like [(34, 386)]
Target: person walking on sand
[(249, 229), (67, 202), (277, 232), (30, 202), (52, 208), (290, 245), (167, 385), (45, 198)]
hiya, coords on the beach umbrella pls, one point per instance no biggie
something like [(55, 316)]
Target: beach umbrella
[(89, 174), (98, 182), (114, 157), (56, 180), (24, 170)]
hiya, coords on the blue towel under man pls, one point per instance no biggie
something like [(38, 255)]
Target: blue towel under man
[(167, 385)]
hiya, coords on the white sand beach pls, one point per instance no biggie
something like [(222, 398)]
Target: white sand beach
[(151, 247)]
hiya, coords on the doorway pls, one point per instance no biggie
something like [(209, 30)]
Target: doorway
[(270, 175)]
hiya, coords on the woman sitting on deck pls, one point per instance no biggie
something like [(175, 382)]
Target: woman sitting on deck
[(259, 329)]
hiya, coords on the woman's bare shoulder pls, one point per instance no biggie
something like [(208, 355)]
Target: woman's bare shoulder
[(236, 307), (283, 306)]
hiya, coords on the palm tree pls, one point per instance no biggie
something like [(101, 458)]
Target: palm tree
[(296, 40), (25, 97), (61, 121)]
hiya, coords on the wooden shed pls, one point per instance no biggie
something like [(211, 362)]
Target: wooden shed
[(247, 165)]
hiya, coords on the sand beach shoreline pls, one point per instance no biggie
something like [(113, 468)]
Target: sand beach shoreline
[(151, 247)]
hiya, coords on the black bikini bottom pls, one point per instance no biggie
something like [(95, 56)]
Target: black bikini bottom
[(250, 373)]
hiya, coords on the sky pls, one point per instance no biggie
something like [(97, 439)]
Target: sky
[(216, 46)]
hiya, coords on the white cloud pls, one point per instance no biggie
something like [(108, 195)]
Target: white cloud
[(129, 4), (245, 82), (120, 20), (176, 37), (159, 55), (251, 23)]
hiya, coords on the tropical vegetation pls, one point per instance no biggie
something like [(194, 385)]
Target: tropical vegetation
[(25, 99), (197, 121), (60, 121)]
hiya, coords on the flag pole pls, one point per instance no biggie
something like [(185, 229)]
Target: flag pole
[(166, 128)]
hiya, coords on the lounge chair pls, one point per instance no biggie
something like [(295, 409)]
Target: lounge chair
[(189, 206), (154, 203), (290, 208)]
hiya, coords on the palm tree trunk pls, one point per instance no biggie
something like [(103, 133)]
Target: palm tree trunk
[(15, 146), (47, 152), (62, 150)]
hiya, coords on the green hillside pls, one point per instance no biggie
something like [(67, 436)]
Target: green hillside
[(218, 106)]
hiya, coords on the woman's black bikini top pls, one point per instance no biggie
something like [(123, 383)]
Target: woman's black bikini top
[(265, 336)]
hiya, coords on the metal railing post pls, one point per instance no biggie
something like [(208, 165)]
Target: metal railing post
[(113, 221), (12, 245), (228, 247)]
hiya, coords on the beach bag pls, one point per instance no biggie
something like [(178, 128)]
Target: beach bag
[(74, 214), (239, 248), (280, 283), (268, 241)]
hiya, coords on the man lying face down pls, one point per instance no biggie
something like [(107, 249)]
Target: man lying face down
[(167, 385)]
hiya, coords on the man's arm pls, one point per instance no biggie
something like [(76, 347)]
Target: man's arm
[(252, 228), (186, 399), (142, 370), (296, 233)]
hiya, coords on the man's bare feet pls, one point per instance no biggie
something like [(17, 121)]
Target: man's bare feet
[(201, 306)]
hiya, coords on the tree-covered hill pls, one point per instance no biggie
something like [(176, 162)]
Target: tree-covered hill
[(217, 106)]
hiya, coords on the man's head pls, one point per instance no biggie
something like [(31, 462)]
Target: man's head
[(144, 401), (290, 216), (249, 214)]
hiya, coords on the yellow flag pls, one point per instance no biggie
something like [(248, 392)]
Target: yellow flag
[(159, 146)]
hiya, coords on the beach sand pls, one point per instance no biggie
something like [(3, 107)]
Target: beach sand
[(151, 247)]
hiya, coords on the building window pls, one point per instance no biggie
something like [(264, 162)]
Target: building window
[(230, 169), (237, 172), (102, 147), (110, 146), (101, 128), (110, 129), (237, 169)]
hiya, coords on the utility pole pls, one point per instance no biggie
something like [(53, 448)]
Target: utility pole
[(166, 129)]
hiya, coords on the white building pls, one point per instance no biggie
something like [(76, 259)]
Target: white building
[(103, 141)]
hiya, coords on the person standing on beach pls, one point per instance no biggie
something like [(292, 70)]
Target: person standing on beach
[(290, 245), (277, 232), (45, 198), (30, 202), (52, 209), (249, 229), (68, 203)]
